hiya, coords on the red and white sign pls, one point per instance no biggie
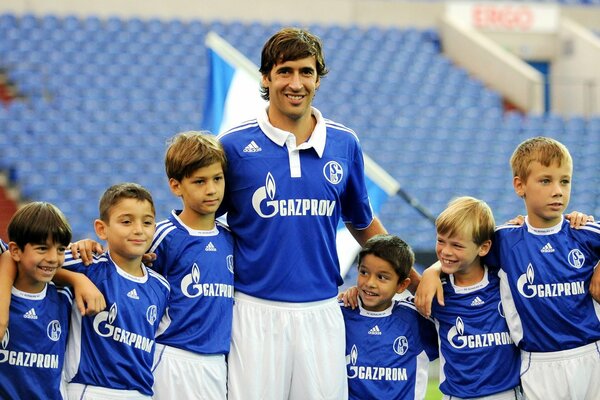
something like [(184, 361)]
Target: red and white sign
[(505, 17)]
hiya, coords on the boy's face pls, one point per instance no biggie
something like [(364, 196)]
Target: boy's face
[(292, 86), (37, 264), (202, 192), (547, 192), (129, 231), (459, 254), (377, 283)]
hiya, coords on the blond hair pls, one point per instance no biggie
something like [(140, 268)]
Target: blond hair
[(544, 150), (467, 215)]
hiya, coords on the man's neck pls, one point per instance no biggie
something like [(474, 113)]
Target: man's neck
[(301, 128)]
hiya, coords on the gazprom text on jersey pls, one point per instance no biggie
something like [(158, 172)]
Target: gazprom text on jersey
[(26, 359)]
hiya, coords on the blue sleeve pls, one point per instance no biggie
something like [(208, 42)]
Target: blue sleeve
[(356, 206), (429, 337), (74, 265)]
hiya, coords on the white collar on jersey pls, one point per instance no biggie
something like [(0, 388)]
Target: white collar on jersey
[(545, 231), (375, 314), (31, 296), (280, 137), (476, 286)]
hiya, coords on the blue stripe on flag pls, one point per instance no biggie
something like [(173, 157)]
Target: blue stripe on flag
[(220, 77)]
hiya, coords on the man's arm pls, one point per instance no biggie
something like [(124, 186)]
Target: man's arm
[(8, 274), (376, 228)]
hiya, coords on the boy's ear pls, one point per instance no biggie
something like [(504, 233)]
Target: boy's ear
[(519, 186), (100, 228), (15, 251), (174, 185), (402, 285), (485, 248)]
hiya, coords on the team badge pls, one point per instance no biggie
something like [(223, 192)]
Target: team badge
[(54, 330), (576, 258), (151, 314), (401, 345), (333, 172)]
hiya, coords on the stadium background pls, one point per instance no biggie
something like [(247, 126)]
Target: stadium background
[(92, 90)]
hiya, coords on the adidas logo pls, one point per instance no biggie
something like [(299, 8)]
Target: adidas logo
[(477, 301), (375, 331), (210, 247), (30, 314), (133, 294), (252, 147), (547, 248)]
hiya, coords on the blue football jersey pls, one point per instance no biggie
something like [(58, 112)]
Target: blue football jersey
[(545, 277), (477, 355), (199, 268), (32, 351), (115, 348), (388, 352), (284, 203)]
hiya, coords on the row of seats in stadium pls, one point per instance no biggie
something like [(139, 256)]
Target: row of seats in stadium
[(90, 119)]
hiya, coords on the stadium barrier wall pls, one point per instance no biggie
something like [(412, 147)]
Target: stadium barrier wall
[(575, 76), (498, 68), (400, 13)]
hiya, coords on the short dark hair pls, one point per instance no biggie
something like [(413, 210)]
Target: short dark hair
[(391, 249), (114, 194), (189, 151), (290, 44), (36, 222)]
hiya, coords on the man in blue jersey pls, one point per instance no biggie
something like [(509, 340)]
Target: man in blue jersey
[(111, 355), (292, 176), (388, 344), (545, 269), (32, 350), (195, 253), (478, 356)]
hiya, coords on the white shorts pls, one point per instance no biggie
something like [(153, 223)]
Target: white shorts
[(77, 391), (562, 375), (283, 350), (513, 394), (183, 375)]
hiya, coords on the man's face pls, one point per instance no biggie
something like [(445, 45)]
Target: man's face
[(291, 86)]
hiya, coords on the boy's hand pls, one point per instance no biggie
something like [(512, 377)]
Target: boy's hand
[(578, 219), (349, 297), (88, 298), (148, 259), (430, 285), (85, 249), (518, 220), (595, 284)]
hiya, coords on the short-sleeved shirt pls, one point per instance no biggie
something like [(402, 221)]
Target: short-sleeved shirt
[(199, 268), (115, 348), (284, 203), (477, 354), (388, 352), (545, 276), (32, 351)]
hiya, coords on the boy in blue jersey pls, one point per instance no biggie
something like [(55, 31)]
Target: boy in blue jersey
[(292, 177), (388, 344), (545, 269), (478, 357), (195, 254), (110, 355), (32, 350)]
